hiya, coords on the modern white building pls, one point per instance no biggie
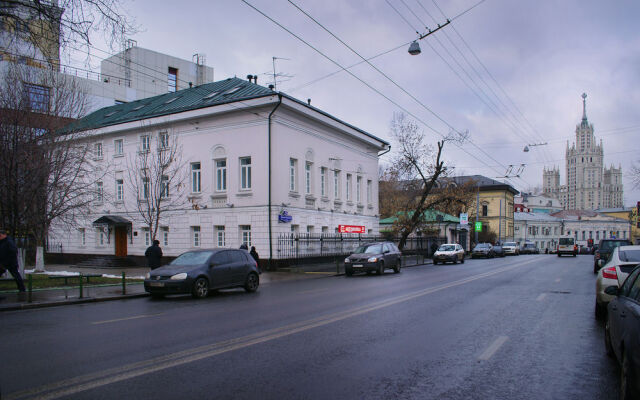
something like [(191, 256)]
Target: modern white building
[(259, 164)]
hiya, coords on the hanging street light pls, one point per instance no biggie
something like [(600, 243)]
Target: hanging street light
[(414, 48)]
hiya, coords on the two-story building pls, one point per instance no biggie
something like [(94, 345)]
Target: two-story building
[(259, 163)]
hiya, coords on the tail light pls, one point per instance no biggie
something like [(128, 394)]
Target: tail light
[(575, 247), (610, 273)]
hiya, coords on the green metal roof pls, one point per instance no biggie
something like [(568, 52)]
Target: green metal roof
[(429, 216)]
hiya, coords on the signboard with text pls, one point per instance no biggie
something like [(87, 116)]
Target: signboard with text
[(478, 226), (350, 228), (464, 219)]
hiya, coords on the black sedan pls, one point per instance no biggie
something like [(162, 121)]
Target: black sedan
[(622, 333), (198, 272), (376, 257), (483, 250)]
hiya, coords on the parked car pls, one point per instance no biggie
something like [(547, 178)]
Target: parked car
[(511, 248), (567, 245), (483, 250), (622, 260), (451, 252), (605, 247), (498, 250), (622, 333), (199, 271), (376, 257), (529, 248)]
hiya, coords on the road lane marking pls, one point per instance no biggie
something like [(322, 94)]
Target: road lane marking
[(125, 319), (558, 280), (495, 346), (541, 297), (117, 374)]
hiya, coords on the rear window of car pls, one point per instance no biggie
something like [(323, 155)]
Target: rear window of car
[(482, 246), (608, 245), (510, 244), (565, 241), (629, 255)]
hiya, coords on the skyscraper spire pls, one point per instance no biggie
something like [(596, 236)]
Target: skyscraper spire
[(584, 108)]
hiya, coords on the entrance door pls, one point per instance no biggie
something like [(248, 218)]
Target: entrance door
[(121, 241)]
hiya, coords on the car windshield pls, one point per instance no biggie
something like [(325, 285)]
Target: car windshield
[(192, 258), (565, 241), (510, 244), (447, 247), (609, 245), (369, 249), (630, 255), (482, 246)]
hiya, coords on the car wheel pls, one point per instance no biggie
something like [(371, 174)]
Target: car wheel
[(435, 262), (348, 272), (200, 288), (455, 260), (574, 254), (558, 254), (381, 268), (607, 340), (462, 261), (599, 311), (398, 267), (252, 282), (627, 391)]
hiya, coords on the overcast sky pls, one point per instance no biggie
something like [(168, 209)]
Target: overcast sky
[(543, 55)]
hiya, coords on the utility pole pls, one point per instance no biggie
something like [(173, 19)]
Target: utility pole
[(477, 211)]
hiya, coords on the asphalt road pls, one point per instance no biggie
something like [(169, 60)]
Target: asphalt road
[(512, 328)]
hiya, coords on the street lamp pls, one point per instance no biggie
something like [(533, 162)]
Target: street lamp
[(414, 48), (526, 148)]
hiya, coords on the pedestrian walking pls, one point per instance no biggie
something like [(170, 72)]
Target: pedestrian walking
[(256, 257), (9, 258), (243, 246), (154, 255)]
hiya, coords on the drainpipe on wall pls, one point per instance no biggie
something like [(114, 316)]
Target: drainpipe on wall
[(269, 179)]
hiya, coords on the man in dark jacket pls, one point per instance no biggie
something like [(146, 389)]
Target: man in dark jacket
[(256, 257), (154, 255), (9, 258)]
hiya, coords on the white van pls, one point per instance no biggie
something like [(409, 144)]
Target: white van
[(567, 245)]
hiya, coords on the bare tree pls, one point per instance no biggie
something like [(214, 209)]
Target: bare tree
[(157, 176), (46, 174), (407, 186)]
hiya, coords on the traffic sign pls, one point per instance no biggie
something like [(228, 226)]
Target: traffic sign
[(464, 219), (478, 226)]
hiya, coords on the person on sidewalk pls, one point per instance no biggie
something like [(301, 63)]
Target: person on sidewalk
[(243, 246), (154, 255), (9, 258), (256, 257)]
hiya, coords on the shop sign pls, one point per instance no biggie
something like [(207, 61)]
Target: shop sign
[(351, 228), (284, 216)]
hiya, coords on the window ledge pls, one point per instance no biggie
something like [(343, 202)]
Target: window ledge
[(310, 197), (295, 195), (324, 199), (220, 195), (194, 196), (118, 155), (247, 193)]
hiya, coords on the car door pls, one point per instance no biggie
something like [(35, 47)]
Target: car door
[(239, 267), (390, 256), (219, 270), (459, 252), (619, 309)]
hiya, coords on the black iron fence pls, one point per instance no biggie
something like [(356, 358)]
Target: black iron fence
[(309, 245)]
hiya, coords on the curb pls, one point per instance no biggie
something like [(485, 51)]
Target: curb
[(30, 306)]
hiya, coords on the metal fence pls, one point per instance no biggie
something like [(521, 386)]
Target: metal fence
[(309, 245)]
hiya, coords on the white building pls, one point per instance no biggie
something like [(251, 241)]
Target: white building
[(585, 225), (538, 227), (252, 154), (536, 203), (589, 185)]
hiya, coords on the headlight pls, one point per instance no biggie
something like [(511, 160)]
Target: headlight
[(178, 277), (372, 259), (147, 276), (347, 261)]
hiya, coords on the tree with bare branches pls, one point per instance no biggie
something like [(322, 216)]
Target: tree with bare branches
[(153, 172), (410, 185)]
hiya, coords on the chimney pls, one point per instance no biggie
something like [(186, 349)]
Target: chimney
[(249, 77), (271, 87), (190, 85), (309, 101), (255, 79)]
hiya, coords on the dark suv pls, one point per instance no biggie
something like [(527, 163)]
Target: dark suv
[(376, 256), (605, 248)]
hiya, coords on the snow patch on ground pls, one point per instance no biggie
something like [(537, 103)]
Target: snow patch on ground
[(68, 273)]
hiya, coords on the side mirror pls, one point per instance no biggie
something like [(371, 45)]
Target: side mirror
[(386, 252), (612, 290)]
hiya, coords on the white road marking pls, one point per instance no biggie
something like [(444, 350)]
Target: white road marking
[(97, 379), (125, 319), (541, 297), (495, 346)]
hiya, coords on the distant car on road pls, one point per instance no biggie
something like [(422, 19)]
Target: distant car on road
[(529, 248), (605, 247), (567, 245), (511, 248), (622, 261), (199, 271), (483, 250), (451, 252), (622, 333), (376, 257), (498, 250)]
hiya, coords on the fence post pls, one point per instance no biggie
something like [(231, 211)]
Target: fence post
[(124, 284), (80, 276), (30, 286)]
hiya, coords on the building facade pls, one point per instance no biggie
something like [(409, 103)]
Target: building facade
[(538, 227), (536, 203), (257, 164), (589, 185)]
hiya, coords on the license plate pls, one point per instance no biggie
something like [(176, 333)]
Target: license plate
[(357, 266), (156, 284)]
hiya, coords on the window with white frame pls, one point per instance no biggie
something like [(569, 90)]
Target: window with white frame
[(369, 191), (195, 236), (97, 151), (348, 187), (147, 236), (195, 177), (164, 186), (118, 147), (307, 177), (245, 173), (221, 175), (146, 188), (293, 167), (119, 190), (83, 236), (245, 234), (164, 234), (323, 182), (144, 143), (358, 189), (99, 192), (336, 184), (221, 239), (164, 140), (100, 236)]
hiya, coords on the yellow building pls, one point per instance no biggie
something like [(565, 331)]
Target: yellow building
[(630, 214), (493, 202)]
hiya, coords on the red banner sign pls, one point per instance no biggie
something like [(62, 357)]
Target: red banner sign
[(350, 229)]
